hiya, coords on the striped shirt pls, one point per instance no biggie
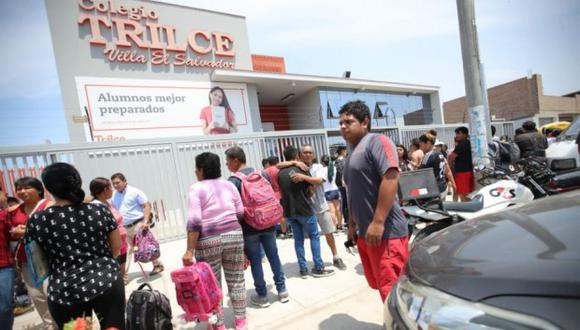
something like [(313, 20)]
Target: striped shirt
[(214, 207)]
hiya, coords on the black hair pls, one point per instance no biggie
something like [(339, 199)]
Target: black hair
[(529, 126), (265, 162), (556, 132), (340, 149), (98, 185), (493, 130), (290, 153), (28, 181), (225, 102), (325, 160), (273, 160), (119, 176), (519, 131), (462, 129), (358, 109), (427, 138), (405, 152), (547, 131), (415, 143), (236, 152), (12, 200), (62, 180), (210, 164)]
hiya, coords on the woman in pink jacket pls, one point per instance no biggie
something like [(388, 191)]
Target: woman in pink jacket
[(214, 234)]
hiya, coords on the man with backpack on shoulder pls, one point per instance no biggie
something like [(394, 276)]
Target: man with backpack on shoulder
[(503, 153), (262, 212)]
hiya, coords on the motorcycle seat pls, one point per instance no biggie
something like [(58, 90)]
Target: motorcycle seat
[(471, 206)]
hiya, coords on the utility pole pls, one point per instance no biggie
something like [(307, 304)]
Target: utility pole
[(479, 120)]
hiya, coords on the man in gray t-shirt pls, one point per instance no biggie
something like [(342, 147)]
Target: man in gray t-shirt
[(371, 175)]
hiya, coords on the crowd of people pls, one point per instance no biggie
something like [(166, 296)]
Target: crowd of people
[(89, 241)]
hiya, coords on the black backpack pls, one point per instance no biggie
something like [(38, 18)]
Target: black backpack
[(148, 310)]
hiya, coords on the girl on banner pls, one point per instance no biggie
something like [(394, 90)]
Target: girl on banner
[(218, 117)]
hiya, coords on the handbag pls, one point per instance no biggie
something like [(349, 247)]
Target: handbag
[(37, 262)]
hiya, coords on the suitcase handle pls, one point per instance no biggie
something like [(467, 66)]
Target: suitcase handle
[(187, 294)]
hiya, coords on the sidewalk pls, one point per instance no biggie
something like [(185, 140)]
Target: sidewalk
[(342, 301)]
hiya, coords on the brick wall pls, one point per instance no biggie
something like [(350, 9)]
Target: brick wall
[(278, 115), (515, 99)]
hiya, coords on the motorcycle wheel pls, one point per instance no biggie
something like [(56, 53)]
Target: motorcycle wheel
[(430, 229)]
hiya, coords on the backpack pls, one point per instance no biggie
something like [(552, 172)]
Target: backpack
[(505, 152), (261, 207), (148, 246), (197, 291), (148, 310)]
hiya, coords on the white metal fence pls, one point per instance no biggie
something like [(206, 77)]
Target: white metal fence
[(163, 169)]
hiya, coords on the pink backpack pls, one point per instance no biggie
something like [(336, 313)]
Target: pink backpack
[(197, 291), (148, 246), (261, 207)]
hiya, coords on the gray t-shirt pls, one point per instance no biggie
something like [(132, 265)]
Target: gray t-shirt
[(364, 168), (318, 200)]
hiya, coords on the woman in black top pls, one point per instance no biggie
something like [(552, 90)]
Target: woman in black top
[(435, 160), (80, 242)]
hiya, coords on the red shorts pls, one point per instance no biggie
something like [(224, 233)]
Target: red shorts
[(383, 264), (464, 182)]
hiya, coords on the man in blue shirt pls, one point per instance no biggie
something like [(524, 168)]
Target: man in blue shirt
[(133, 204)]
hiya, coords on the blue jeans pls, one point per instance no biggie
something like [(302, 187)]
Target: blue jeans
[(6, 296), (254, 245), (310, 225)]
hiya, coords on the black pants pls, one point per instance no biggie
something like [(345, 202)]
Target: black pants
[(109, 307)]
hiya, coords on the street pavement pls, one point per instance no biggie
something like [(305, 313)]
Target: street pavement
[(342, 301)]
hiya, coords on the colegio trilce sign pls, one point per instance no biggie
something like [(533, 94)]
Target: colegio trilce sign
[(134, 34)]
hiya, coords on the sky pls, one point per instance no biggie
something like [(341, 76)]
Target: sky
[(407, 41)]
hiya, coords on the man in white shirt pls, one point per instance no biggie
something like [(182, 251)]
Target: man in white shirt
[(133, 204)]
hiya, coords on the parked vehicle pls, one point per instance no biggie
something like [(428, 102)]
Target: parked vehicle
[(514, 269), (430, 210), (563, 154)]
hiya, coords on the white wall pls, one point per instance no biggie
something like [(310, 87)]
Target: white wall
[(304, 112)]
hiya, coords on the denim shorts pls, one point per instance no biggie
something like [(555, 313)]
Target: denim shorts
[(332, 195)]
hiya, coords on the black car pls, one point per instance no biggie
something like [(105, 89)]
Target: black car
[(516, 269)]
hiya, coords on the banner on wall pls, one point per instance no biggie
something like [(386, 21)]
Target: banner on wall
[(124, 109)]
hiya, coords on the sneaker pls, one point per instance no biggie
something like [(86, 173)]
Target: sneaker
[(156, 270), (259, 301), (322, 272), (283, 296), (338, 263), (240, 324), (304, 273)]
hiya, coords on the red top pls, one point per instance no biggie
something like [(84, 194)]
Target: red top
[(273, 174), (6, 259), (206, 115), (19, 217)]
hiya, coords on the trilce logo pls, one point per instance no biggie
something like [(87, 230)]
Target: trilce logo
[(131, 24)]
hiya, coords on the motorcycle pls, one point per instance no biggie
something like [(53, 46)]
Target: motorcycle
[(427, 213)]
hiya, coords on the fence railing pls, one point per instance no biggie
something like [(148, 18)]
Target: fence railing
[(405, 134), (163, 168)]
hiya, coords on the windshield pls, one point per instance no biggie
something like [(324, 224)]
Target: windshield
[(571, 131)]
